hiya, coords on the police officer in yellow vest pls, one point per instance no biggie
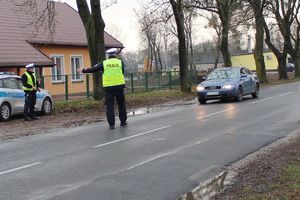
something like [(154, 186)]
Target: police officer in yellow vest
[(30, 87), (113, 84)]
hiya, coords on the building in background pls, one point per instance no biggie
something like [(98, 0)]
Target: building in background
[(247, 60), (55, 56)]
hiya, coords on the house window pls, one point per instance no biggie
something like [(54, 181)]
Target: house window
[(38, 72), (58, 69), (76, 63)]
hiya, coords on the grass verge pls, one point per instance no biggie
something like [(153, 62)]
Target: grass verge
[(287, 186), (132, 101), (280, 82)]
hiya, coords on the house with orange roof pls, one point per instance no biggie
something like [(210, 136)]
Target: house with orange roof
[(56, 56)]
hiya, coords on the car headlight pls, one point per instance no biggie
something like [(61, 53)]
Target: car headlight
[(228, 87), (200, 88)]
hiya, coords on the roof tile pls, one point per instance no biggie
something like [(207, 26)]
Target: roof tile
[(16, 35)]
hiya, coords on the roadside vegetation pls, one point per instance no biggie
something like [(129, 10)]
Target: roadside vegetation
[(134, 100), (275, 81), (287, 186), (271, 176)]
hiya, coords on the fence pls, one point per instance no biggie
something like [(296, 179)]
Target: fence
[(65, 87)]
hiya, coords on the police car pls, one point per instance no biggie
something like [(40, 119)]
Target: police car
[(12, 97)]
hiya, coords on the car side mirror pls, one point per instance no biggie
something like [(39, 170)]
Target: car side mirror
[(203, 78)]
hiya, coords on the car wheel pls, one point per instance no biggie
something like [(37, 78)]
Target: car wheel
[(239, 97), (256, 93), (46, 106), (202, 101), (5, 112)]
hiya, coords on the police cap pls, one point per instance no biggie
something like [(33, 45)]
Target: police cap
[(112, 51), (31, 65)]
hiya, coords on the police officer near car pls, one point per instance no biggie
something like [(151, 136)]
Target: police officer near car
[(113, 84), (30, 87)]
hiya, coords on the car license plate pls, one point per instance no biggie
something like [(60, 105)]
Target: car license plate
[(212, 93)]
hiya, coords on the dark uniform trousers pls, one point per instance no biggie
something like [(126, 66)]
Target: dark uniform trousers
[(110, 95), (30, 101)]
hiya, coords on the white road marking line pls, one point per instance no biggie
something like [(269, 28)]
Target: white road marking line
[(130, 137), (19, 168), (287, 93), (216, 113), (168, 153), (260, 101)]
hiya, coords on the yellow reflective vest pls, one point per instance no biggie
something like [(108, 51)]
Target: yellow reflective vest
[(29, 81), (113, 74)]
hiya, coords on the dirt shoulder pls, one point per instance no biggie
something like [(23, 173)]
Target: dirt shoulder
[(17, 127), (271, 173)]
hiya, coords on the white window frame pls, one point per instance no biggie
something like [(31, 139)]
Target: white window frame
[(75, 70), (54, 56)]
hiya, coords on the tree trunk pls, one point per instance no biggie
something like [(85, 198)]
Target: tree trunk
[(182, 49), (297, 65), (282, 66), (217, 60), (191, 60), (224, 43), (259, 41), (193, 67), (159, 58), (281, 57), (218, 52), (94, 27)]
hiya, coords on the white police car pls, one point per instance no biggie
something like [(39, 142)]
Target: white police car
[(12, 97)]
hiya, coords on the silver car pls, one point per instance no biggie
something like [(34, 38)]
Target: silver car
[(12, 97)]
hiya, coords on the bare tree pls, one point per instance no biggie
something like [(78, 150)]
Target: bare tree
[(40, 15), (94, 27), (167, 10), (258, 8), (153, 33), (177, 8), (214, 23), (285, 13), (131, 60), (296, 40), (225, 10), (190, 15)]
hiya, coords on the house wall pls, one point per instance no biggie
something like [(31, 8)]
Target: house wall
[(249, 62), (58, 88), (14, 70)]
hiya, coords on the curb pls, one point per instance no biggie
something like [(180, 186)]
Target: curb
[(211, 187)]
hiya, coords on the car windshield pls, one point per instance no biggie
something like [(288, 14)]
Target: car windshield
[(223, 74)]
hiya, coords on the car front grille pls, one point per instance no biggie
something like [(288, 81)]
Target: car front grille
[(213, 88)]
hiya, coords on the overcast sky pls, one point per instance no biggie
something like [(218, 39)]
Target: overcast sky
[(121, 22)]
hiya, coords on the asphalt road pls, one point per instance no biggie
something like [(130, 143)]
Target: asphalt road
[(160, 155)]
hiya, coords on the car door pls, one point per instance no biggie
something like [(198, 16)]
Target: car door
[(19, 95), (245, 81), (15, 94), (252, 82)]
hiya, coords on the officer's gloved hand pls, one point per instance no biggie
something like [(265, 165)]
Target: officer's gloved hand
[(80, 70)]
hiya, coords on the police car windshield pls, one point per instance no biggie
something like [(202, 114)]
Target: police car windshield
[(223, 74)]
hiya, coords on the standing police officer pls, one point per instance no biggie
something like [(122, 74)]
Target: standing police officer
[(113, 84), (30, 87)]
